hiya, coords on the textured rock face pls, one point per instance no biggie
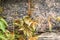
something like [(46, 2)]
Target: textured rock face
[(49, 36), (42, 10), (45, 9), (14, 9)]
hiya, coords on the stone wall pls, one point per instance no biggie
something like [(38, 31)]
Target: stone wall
[(14, 9)]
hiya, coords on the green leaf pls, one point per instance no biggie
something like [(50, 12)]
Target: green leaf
[(2, 26), (1, 19), (2, 37)]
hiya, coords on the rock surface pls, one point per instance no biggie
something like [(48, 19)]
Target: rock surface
[(14, 9), (49, 36)]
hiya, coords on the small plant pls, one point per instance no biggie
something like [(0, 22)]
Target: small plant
[(49, 22), (3, 24), (58, 19), (4, 33), (50, 25), (27, 25)]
